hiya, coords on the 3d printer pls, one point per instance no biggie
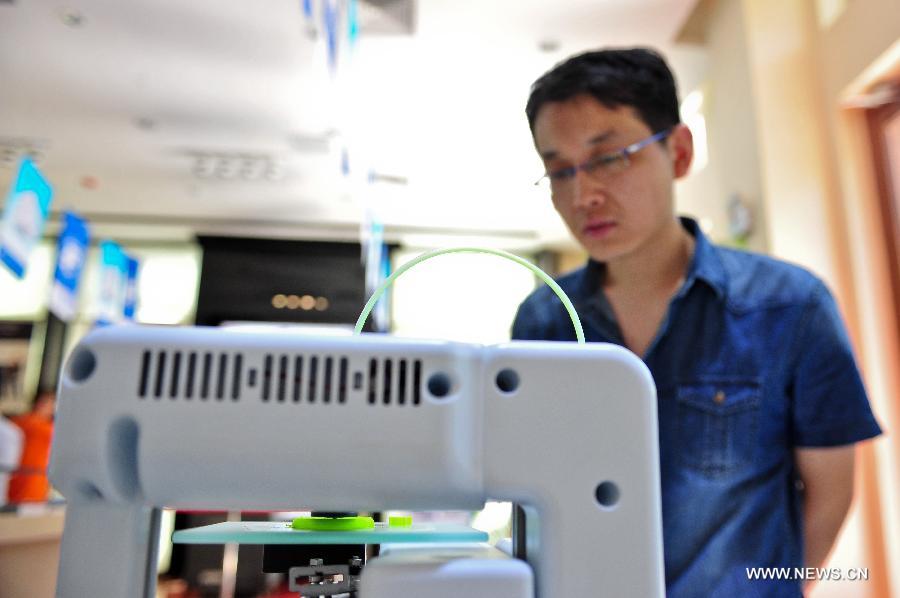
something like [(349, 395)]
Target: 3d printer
[(191, 418)]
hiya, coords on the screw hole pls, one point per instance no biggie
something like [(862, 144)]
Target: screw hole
[(82, 365), (607, 494), (507, 380), (439, 385)]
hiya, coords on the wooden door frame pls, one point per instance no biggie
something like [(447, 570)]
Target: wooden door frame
[(888, 196)]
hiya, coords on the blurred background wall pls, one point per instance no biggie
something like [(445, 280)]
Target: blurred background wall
[(164, 122)]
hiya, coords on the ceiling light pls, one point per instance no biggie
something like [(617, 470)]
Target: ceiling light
[(307, 302), (236, 165), (274, 170), (8, 156), (226, 168), (204, 167), (144, 123), (548, 45), (252, 168), (72, 18), (89, 182)]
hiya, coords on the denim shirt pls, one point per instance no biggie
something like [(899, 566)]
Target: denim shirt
[(750, 362)]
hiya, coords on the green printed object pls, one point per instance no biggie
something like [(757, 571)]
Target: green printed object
[(400, 521), (332, 524), (579, 331)]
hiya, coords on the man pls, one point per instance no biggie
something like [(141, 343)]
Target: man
[(759, 398)]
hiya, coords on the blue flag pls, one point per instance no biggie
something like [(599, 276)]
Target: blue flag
[(70, 258), (27, 208), (330, 16), (113, 275), (131, 289)]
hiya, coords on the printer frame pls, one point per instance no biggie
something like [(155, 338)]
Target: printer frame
[(201, 418)]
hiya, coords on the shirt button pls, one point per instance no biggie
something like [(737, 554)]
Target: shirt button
[(720, 397)]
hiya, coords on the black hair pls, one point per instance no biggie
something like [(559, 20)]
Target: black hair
[(636, 77)]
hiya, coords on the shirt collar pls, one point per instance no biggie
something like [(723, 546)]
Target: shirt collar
[(705, 265)]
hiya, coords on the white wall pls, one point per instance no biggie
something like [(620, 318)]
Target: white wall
[(460, 297), (733, 146)]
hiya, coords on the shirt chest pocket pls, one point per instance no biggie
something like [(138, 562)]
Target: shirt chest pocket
[(718, 423)]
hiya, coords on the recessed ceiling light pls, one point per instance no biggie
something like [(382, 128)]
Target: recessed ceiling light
[(8, 156), (226, 168), (71, 17), (145, 123), (274, 170), (252, 168), (204, 167), (548, 45)]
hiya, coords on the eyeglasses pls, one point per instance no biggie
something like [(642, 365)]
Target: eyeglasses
[(604, 166)]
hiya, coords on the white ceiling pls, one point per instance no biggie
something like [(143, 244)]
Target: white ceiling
[(132, 94)]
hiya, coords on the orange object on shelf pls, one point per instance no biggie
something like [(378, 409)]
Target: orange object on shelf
[(30, 483)]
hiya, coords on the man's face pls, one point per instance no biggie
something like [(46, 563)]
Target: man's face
[(612, 214)]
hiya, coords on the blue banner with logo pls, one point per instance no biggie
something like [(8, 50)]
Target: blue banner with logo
[(70, 258), (330, 17), (113, 276), (132, 265), (352, 22), (26, 211), (376, 258)]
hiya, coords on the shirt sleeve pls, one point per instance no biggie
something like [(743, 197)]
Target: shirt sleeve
[(830, 403)]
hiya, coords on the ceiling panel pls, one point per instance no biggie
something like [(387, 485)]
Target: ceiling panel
[(132, 93)]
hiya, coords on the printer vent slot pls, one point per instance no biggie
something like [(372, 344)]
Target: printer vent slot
[(191, 375), (294, 378), (401, 382), (313, 378), (327, 386), (267, 378), (373, 373), (206, 375), (176, 375), (342, 381), (282, 377), (144, 379), (298, 378), (186, 375), (391, 381), (220, 376), (388, 379), (160, 374), (417, 382), (236, 376)]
